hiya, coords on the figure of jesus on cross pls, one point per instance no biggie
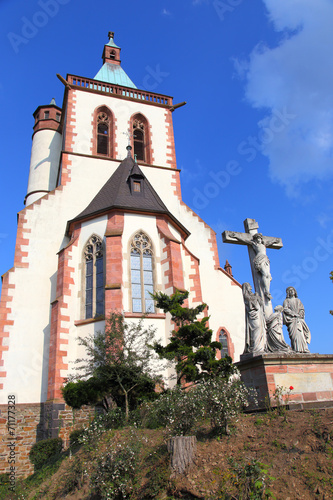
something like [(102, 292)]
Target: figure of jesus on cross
[(260, 265)]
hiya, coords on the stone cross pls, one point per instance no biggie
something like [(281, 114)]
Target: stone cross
[(260, 266)]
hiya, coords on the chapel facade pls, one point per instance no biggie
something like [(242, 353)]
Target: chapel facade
[(104, 224)]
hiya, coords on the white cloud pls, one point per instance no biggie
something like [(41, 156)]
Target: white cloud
[(166, 12), (296, 75)]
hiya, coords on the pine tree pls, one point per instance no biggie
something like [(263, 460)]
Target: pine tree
[(190, 344)]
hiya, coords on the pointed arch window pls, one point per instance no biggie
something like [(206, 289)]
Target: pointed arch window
[(141, 143), (94, 278), (142, 279), (224, 341), (103, 132)]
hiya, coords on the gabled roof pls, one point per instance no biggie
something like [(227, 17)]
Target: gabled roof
[(114, 73), (118, 193)]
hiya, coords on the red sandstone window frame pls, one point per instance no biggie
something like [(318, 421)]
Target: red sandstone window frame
[(230, 344), (110, 136), (139, 118)]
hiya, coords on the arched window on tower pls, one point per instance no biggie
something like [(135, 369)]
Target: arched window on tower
[(142, 279), (94, 278), (141, 143), (224, 341), (103, 126)]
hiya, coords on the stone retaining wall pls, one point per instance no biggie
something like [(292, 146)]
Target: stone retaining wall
[(34, 422)]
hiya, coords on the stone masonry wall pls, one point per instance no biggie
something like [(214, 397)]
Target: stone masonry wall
[(32, 423)]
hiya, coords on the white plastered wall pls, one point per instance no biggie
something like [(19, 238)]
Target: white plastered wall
[(87, 102)]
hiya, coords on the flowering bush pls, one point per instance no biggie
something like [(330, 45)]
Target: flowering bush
[(218, 398), (223, 399), (115, 471), (178, 411), (92, 432), (114, 419)]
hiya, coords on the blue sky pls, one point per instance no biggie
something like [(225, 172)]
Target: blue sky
[(254, 140)]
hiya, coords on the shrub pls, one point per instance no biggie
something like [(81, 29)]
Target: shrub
[(92, 432), (223, 400), (248, 480), (178, 410), (45, 451), (75, 437), (115, 471), (114, 419), (152, 415)]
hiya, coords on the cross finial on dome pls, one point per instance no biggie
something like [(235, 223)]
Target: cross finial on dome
[(111, 34)]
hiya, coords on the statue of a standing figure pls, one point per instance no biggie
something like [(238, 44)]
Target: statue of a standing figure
[(255, 337), (293, 318), (261, 262), (275, 340)]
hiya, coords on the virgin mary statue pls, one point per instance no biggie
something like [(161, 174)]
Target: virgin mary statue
[(255, 338)]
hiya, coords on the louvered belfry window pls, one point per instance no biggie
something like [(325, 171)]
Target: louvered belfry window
[(94, 278), (103, 133), (142, 280)]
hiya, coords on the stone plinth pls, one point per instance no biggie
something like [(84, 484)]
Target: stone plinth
[(310, 375)]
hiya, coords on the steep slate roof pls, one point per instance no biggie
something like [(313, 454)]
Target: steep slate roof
[(117, 194)]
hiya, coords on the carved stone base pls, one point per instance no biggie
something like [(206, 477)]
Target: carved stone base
[(310, 375)]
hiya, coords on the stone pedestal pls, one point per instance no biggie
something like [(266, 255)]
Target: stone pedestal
[(310, 375)]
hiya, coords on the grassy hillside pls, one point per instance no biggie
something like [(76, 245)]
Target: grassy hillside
[(288, 457)]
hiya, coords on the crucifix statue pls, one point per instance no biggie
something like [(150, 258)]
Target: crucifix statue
[(260, 265)]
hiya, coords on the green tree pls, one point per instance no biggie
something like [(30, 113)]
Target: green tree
[(190, 344), (118, 363)]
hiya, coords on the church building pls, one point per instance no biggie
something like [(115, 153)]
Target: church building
[(104, 224)]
